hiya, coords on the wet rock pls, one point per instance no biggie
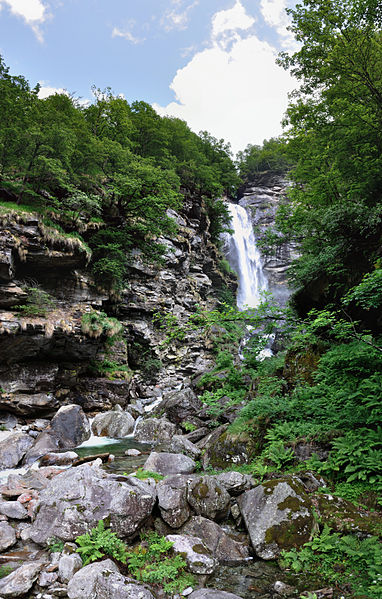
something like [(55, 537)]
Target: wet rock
[(212, 594), (78, 498), (133, 452), (70, 426), (20, 581), (103, 580), (13, 449), (198, 557), (169, 463), (7, 536), (113, 424), (208, 498), (180, 406), (13, 509), (225, 549), (155, 430), (235, 482), (179, 444), (278, 515), (172, 498), (68, 566), (59, 459)]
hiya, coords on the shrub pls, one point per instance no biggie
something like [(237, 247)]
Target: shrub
[(38, 303), (99, 542), (96, 323)]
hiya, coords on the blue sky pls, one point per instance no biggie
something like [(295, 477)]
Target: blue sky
[(209, 62)]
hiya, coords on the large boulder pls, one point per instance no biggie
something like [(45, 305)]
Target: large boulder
[(208, 498), (278, 515), (225, 549), (169, 463), (13, 449), (13, 509), (343, 516), (7, 536), (172, 498), (180, 444), (102, 580), (113, 424), (20, 581), (198, 557), (224, 449), (77, 499), (70, 426), (181, 406), (235, 482), (155, 430)]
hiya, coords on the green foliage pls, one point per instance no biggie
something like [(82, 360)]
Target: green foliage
[(55, 545), (153, 563), (5, 570), (341, 560), (368, 294), (271, 156), (188, 426), (101, 541), (38, 303), (96, 323), (144, 474)]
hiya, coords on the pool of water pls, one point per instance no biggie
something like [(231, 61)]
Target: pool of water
[(117, 447)]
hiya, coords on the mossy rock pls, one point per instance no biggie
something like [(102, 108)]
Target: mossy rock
[(343, 516), (224, 449)]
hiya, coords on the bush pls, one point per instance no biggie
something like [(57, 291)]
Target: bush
[(95, 324), (38, 303), (99, 542)]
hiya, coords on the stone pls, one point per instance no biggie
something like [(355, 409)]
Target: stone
[(223, 449), (278, 515), (198, 557), (212, 594), (208, 498), (235, 482), (7, 536), (59, 459), (24, 404), (180, 406), (113, 424), (133, 452), (13, 449), (172, 498), (179, 444), (343, 516), (225, 549), (70, 426), (102, 580), (46, 579), (13, 509), (68, 566), (20, 581), (155, 430), (75, 500), (169, 463)]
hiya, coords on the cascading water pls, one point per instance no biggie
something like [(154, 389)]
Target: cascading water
[(244, 258)]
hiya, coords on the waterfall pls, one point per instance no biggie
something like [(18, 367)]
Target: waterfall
[(244, 258)]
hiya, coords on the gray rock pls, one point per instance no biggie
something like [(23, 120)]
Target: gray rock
[(155, 430), (180, 406), (113, 424), (223, 547), (20, 581), (133, 452), (7, 536), (208, 498), (212, 594), (198, 557), (13, 449), (179, 444), (23, 404), (77, 499), (102, 580), (278, 515), (46, 579), (71, 426), (169, 463), (68, 566), (172, 497), (235, 482), (13, 509), (59, 459)]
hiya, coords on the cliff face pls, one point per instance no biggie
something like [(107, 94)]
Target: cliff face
[(262, 197), (49, 359)]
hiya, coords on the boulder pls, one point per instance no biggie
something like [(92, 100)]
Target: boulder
[(343, 516), (59, 459), (235, 482), (113, 424), (278, 515), (198, 557), (20, 581), (208, 498), (225, 549), (103, 580), (13, 449), (169, 463), (68, 565), (75, 500), (223, 449), (179, 444), (172, 498), (155, 430), (180, 406), (23, 404), (13, 509), (212, 594), (7, 536), (70, 426)]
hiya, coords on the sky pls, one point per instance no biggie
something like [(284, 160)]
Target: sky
[(208, 62)]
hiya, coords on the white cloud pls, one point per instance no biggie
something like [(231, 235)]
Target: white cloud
[(177, 17), (47, 90), (34, 12), (127, 35), (236, 92), (274, 14)]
